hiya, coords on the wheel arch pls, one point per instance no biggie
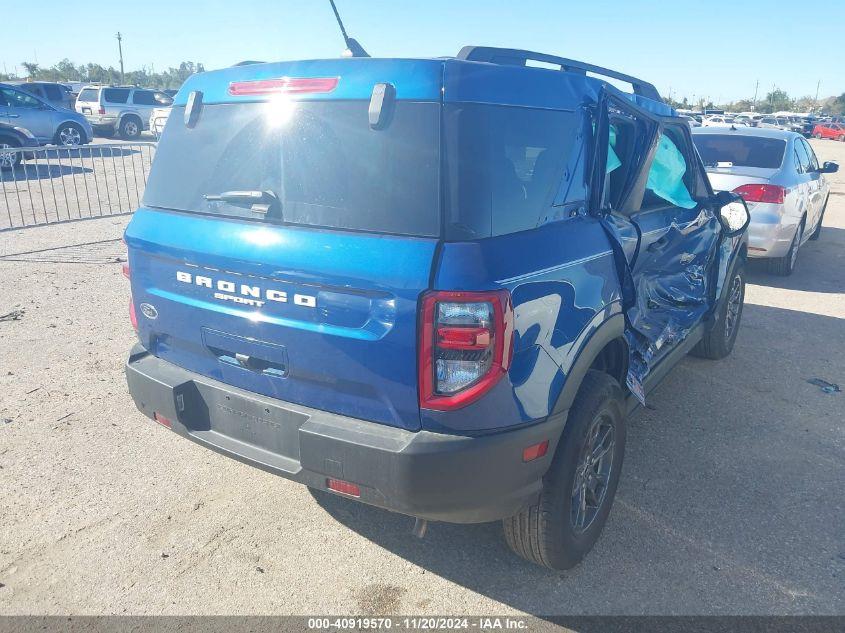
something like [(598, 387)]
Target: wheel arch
[(65, 122), (129, 113), (605, 350)]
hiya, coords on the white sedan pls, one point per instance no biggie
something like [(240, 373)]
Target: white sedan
[(779, 176)]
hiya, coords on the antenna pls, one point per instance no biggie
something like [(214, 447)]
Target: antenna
[(353, 48)]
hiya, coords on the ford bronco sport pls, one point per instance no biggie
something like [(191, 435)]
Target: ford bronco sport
[(437, 286)]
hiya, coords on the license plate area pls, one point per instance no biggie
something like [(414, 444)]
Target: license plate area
[(254, 421), (86, 110)]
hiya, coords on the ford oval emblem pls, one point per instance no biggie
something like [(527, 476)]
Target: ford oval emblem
[(148, 310)]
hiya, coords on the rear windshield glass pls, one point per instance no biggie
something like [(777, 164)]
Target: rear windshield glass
[(88, 94), (741, 151), (321, 159)]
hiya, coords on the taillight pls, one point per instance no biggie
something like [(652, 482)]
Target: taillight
[(101, 110), (283, 85), (762, 193), (466, 341)]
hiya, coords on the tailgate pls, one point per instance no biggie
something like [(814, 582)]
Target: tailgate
[(321, 318)]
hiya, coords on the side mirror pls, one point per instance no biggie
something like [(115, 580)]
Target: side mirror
[(829, 168), (733, 213)]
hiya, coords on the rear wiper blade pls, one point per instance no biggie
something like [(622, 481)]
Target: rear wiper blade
[(259, 201)]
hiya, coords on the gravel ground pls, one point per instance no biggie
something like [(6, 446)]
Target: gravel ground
[(731, 498)]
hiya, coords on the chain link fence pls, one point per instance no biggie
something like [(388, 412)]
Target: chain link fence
[(46, 185)]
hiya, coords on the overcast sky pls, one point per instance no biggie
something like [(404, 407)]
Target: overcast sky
[(712, 49)]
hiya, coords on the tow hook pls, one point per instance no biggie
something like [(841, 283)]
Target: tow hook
[(420, 526)]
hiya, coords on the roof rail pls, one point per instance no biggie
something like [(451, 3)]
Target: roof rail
[(517, 57)]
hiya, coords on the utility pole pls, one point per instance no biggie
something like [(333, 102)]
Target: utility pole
[(816, 100), (754, 100), (120, 50)]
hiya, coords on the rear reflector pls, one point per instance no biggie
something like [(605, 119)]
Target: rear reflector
[(163, 420), (343, 487), (535, 451), (772, 194), (125, 269), (133, 318), (283, 85)]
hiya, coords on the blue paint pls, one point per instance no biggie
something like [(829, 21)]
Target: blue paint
[(571, 266)]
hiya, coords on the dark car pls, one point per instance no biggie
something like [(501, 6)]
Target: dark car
[(11, 138), (55, 94), (437, 286)]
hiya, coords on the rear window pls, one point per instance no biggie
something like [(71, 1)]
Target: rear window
[(89, 94), (740, 151), (116, 95), (320, 158), (505, 167)]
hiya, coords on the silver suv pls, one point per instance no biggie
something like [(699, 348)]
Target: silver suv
[(122, 109)]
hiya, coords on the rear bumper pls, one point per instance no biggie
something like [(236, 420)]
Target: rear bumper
[(770, 232), (434, 476)]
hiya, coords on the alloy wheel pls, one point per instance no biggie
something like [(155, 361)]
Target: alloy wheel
[(7, 159), (70, 136), (796, 244), (592, 474), (734, 307), (131, 128)]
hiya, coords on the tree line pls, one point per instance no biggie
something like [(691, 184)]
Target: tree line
[(775, 101), (66, 71)]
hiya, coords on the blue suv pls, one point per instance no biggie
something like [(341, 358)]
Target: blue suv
[(437, 286)]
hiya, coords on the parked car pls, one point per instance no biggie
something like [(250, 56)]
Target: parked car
[(720, 120), (691, 120), (835, 131), (158, 119), (124, 110), (779, 176), (14, 137), (780, 123), (46, 122), (439, 301), (55, 94)]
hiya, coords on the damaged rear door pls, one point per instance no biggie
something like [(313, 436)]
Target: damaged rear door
[(654, 205)]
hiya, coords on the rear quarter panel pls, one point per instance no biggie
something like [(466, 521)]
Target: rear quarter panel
[(564, 286)]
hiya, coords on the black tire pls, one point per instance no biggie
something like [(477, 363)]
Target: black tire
[(131, 127), (9, 161), (842, 138), (817, 233), (817, 135), (719, 340), (69, 135), (545, 533), (784, 266)]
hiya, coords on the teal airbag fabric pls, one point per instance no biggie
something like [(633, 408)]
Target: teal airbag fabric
[(613, 161), (666, 177)]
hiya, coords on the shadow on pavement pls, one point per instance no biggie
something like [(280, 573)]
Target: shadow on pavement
[(820, 266)]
